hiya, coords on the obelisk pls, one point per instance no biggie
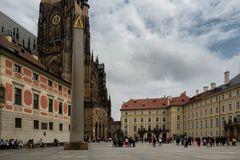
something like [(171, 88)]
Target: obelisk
[(77, 112)]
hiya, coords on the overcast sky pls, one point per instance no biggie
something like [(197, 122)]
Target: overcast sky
[(153, 48)]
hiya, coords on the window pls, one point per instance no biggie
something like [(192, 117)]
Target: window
[(223, 108), (206, 123), (44, 126), (50, 105), (135, 120), (223, 97), (157, 126), (216, 109), (149, 119), (164, 119), (205, 112), (50, 125), (60, 108), (201, 126), (237, 105), (216, 122), (237, 92), (230, 118), (178, 117), (18, 122), (69, 127), (36, 124), (69, 110), (141, 119), (126, 113), (35, 76), (69, 91), (211, 123), (157, 119), (125, 120), (230, 107), (230, 94), (211, 111), (149, 112), (18, 96), (50, 83), (125, 131), (149, 127), (178, 126), (135, 128), (59, 87), (17, 68), (223, 120), (60, 127), (35, 101), (164, 126)]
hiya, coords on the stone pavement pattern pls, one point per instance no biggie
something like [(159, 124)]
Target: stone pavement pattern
[(104, 151)]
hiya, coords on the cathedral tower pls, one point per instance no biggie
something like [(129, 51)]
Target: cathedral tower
[(55, 32)]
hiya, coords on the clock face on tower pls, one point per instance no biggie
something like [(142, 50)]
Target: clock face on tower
[(56, 19)]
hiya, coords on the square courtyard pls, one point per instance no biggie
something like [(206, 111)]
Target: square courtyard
[(105, 151)]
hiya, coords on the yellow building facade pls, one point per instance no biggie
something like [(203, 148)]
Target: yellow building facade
[(214, 112), (165, 114)]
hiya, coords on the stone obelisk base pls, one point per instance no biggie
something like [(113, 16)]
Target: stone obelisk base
[(76, 146)]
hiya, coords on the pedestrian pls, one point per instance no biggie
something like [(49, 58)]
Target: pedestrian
[(154, 142), (160, 141)]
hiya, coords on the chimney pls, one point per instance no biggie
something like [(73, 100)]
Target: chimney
[(197, 92), (205, 88), (8, 38), (213, 86), (226, 77), (168, 101)]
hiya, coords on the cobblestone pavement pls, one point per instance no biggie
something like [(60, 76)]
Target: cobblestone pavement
[(104, 151)]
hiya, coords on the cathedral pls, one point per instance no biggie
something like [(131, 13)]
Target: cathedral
[(37, 78), (55, 39)]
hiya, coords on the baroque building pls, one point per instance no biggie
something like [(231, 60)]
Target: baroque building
[(214, 112), (165, 114)]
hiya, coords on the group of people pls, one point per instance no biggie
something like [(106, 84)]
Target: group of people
[(207, 141), (121, 142), (18, 144), (219, 141), (11, 144)]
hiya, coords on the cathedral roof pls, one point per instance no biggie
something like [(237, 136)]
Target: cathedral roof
[(155, 103)]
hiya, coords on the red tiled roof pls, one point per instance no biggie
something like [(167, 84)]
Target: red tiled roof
[(200, 96), (155, 103), (23, 53)]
